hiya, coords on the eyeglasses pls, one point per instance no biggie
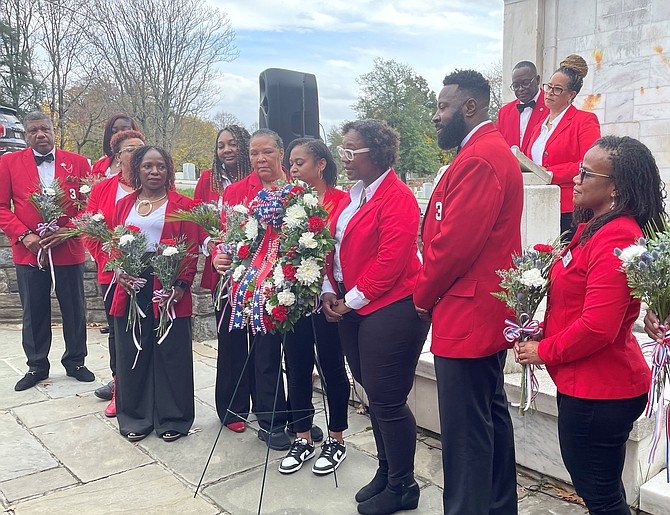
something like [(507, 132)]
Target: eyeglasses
[(516, 86), (349, 154), (555, 90), (583, 172), (130, 150)]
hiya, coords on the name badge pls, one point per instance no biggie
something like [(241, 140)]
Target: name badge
[(567, 257), (438, 210)]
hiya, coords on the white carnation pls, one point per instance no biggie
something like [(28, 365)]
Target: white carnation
[(49, 191), (126, 239), (294, 216), (241, 208), (98, 217), (286, 298), (308, 272), (269, 306), (532, 278), (310, 200), (85, 189), (238, 273), (630, 254), (170, 251), (307, 240), (251, 229), (278, 275)]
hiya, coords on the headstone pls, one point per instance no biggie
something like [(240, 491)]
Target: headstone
[(188, 170)]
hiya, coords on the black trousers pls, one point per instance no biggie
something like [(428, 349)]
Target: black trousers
[(566, 226), (382, 349), (299, 358), (34, 287), (231, 372), (111, 340), (477, 438), (158, 394), (593, 435), (267, 394)]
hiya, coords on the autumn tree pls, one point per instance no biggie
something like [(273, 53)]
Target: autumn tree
[(223, 118), (393, 92), (494, 75), (195, 143)]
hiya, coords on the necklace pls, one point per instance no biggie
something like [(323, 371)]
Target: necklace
[(123, 181), (147, 202)]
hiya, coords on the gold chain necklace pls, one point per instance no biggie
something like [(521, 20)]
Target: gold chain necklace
[(147, 202)]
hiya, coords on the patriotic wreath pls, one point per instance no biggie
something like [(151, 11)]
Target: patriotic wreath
[(279, 245)]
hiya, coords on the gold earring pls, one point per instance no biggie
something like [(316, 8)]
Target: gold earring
[(321, 173)]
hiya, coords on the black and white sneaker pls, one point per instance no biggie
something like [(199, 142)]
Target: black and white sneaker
[(300, 452), (332, 454)]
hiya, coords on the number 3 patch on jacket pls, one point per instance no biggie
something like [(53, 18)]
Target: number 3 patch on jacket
[(438, 210)]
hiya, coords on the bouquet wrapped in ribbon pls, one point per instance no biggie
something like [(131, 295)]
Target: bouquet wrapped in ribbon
[(278, 261), (51, 203), (524, 286), (91, 226), (168, 263), (647, 268)]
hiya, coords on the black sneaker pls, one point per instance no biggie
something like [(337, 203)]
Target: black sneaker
[(315, 432), (81, 373), (278, 441), (332, 454), (300, 452), (105, 391), (29, 380)]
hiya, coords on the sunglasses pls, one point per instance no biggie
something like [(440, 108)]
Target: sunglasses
[(583, 172), (349, 154)]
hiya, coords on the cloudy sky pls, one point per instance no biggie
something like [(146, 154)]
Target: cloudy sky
[(337, 40)]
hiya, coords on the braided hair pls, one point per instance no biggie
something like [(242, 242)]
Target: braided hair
[(219, 172), (640, 191), (574, 67)]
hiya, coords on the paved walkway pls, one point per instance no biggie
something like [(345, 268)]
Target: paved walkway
[(60, 454)]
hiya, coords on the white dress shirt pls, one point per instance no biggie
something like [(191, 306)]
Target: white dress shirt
[(537, 151), (47, 171), (524, 118)]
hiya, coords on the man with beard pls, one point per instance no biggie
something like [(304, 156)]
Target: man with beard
[(471, 229)]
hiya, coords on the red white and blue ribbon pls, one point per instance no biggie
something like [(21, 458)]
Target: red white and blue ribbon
[(42, 230), (268, 205), (656, 405), (515, 332), (167, 296), (136, 283)]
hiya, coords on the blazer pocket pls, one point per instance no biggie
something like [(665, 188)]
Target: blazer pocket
[(456, 311)]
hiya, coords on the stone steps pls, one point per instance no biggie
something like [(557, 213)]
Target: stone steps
[(655, 495)]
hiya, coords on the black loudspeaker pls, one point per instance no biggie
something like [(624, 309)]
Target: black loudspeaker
[(289, 104)]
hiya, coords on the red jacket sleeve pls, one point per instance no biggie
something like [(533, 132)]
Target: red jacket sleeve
[(9, 222)]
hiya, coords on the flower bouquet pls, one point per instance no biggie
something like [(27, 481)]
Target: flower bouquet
[(168, 263), (524, 286), (91, 226), (85, 187), (205, 214), (277, 268), (646, 264)]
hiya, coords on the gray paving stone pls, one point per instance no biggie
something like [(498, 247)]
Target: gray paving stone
[(145, 490), (21, 453), (207, 396), (37, 484), (90, 448), (204, 375), (56, 410), (10, 342), (59, 385), (428, 463), (7, 370), (10, 398)]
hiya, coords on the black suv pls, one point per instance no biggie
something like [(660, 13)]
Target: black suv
[(11, 131)]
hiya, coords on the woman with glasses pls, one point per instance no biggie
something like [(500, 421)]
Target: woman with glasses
[(103, 199), (109, 164), (588, 346), (368, 291), (559, 144)]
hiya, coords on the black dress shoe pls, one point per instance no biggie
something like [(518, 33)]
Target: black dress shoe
[(29, 380), (81, 373), (390, 501), (374, 487), (171, 436), (105, 392), (279, 441), (315, 432), (104, 330)]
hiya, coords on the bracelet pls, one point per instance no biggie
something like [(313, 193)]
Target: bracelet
[(22, 236)]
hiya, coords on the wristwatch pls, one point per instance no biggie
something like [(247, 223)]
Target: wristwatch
[(181, 284)]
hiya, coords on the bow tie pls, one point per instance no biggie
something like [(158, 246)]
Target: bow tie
[(521, 107), (41, 159)]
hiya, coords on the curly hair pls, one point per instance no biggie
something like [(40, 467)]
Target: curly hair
[(574, 67), (219, 172), (473, 83), (120, 137), (136, 163), (318, 150), (639, 188), (380, 137), (107, 135)]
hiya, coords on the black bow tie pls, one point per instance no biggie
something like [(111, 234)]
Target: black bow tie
[(521, 107), (41, 159)]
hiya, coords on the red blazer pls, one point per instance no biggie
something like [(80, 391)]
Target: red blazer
[(331, 201), (99, 168), (203, 191), (378, 250), (102, 200), (471, 229), (565, 149), (18, 180), (509, 120), (174, 230), (588, 344)]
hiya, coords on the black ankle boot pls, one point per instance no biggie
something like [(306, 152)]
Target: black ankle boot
[(390, 501), (374, 487)]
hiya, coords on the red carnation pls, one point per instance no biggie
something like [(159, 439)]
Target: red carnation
[(243, 252), (280, 313), (269, 324), (541, 247), (297, 189), (248, 294), (316, 224), (168, 241), (289, 272), (133, 228)]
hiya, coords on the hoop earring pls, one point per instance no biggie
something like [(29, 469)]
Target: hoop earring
[(320, 173)]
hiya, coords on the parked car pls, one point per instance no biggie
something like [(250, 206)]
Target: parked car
[(11, 131)]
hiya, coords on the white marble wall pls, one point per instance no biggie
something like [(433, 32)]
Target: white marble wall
[(627, 46)]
